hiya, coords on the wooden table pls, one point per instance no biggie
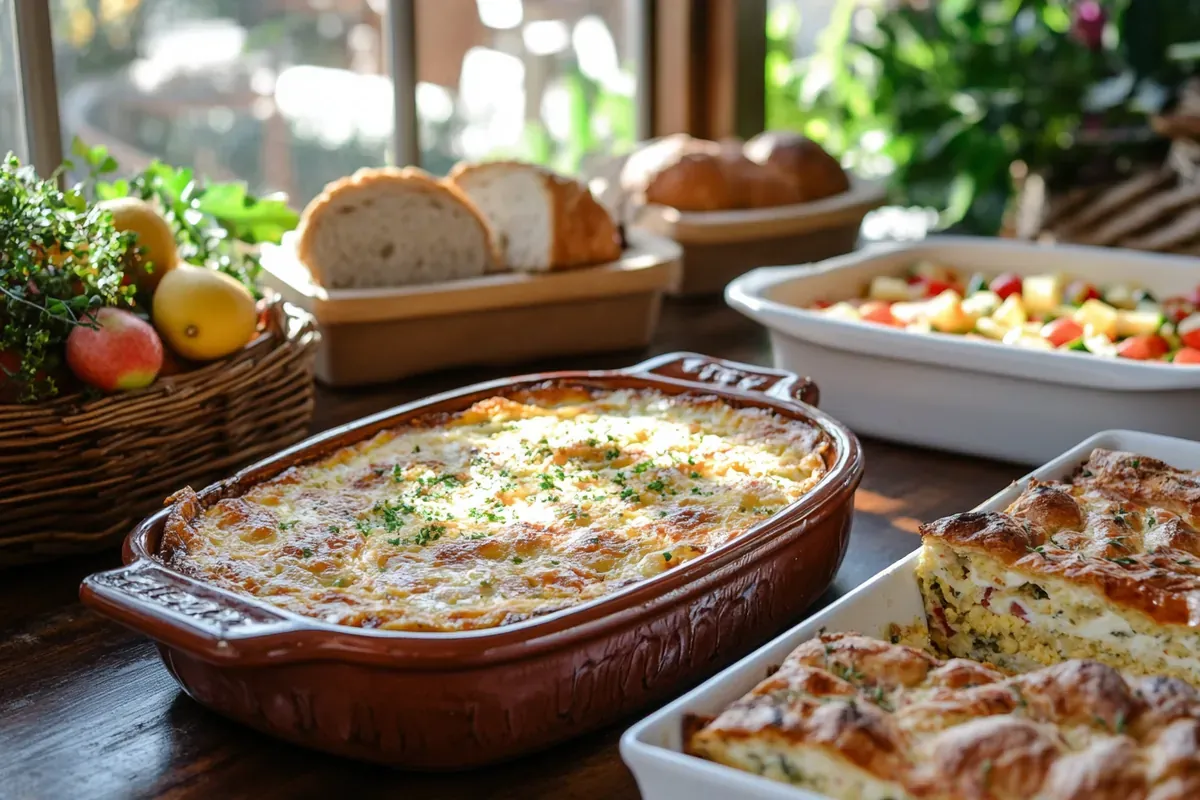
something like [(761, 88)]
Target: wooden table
[(87, 710)]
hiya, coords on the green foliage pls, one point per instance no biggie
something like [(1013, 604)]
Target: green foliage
[(215, 224), (59, 258), (950, 95)]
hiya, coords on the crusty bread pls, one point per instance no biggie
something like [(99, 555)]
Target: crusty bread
[(815, 173), (541, 221), (389, 227)]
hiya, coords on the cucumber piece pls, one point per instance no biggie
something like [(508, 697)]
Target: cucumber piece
[(978, 283), (1097, 317), (1120, 296), (1100, 345), (1042, 293), (991, 328), (1076, 344), (981, 303), (1139, 323), (885, 287), (1011, 313), (1144, 298)]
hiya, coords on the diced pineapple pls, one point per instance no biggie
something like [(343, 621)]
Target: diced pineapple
[(885, 287), (946, 313), (1011, 313), (1139, 322), (1042, 293), (990, 328), (981, 304), (933, 271), (1121, 296), (1097, 318), (842, 310), (1019, 337), (909, 312)]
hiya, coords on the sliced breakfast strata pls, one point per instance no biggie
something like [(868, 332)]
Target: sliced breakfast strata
[(856, 718), (1105, 565)]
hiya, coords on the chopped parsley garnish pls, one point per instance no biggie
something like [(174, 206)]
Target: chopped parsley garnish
[(695, 475), (428, 533), (666, 556), (363, 527), (547, 483), (287, 526), (334, 529), (554, 562), (630, 494), (1123, 561), (1040, 550), (397, 473), (619, 479), (592, 442), (395, 542), (691, 460), (517, 559), (657, 485), (1135, 463), (306, 553), (642, 467), (611, 454), (416, 448), (391, 515)]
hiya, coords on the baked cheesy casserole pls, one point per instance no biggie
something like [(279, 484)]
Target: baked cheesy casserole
[(857, 718), (520, 505), (1105, 565)]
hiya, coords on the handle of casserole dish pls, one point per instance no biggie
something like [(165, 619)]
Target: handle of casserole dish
[(177, 610), (700, 368)]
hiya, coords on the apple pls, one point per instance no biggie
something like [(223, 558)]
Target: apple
[(116, 351)]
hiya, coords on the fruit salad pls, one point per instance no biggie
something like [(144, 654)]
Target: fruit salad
[(1038, 312)]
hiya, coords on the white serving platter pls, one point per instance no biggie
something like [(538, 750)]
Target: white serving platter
[(653, 747), (976, 397)]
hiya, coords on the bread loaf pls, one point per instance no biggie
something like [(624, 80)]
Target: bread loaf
[(541, 221), (390, 227), (814, 172)]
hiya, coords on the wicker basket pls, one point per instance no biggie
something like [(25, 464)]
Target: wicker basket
[(77, 474)]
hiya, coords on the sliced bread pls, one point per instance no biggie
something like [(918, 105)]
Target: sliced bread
[(541, 221), (389, 227)]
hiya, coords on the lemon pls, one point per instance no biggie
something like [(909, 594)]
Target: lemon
[(203, 314), (154, 254)]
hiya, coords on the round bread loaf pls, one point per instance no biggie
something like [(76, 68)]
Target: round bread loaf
[(815, 173)]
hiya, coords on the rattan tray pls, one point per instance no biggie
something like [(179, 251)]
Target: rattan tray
[(77, 474)]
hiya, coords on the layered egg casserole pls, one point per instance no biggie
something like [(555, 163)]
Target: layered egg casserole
[(856, 718), (1105, 565), (520, 505)]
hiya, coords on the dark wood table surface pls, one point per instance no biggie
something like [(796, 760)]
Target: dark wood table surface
[(88, 711)]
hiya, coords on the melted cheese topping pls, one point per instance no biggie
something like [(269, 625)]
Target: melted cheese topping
[(518, 506)]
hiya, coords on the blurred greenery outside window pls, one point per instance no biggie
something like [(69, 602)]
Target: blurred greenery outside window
[(953, 99), (288, 95)]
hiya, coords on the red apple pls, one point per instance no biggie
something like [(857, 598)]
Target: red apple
[(121, 352)]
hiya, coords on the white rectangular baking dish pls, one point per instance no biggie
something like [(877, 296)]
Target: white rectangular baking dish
[(653, 747), (976, 397)]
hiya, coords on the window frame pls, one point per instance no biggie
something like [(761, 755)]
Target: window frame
[(700, 71)]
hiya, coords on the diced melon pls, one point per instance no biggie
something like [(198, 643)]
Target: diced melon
[(1121, 296), (946, 313), (919, 326), (909, 312), (1022, 338), (990, 328), (981, 304), (1097, 318), (885, 287), (1139, 322), (1011, 313), (1042, 293), (842, 310)]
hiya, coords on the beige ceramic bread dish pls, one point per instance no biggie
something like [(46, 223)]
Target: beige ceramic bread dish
[(379, 335)]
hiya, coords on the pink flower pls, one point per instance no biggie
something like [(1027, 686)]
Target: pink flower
[(1088, 26)]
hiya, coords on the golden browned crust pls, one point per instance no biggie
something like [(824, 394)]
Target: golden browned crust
[(320, 209), (805, 163), (1124, 526), (520, 505), (959, 730)]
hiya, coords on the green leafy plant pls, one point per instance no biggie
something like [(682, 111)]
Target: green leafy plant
[(59, 259), (950, 97), (215, 224)]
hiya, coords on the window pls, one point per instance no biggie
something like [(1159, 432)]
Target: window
[(551, 81), (12, 130), (284, 94)]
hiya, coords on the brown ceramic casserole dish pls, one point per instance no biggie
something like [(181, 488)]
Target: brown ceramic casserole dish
[(454, 700)]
